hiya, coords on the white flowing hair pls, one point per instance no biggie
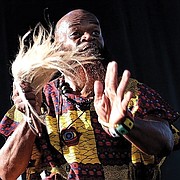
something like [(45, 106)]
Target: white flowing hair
[(38, 61)]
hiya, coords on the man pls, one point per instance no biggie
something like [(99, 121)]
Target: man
[(95, 127)]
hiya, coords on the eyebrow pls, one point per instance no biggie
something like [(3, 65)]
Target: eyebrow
[(90, 22), (74, 24)]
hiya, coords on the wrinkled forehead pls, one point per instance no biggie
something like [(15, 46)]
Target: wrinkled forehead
[(81, 16), (76, 17)]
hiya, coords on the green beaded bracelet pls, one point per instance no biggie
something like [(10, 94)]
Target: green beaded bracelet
[(125, 127), (120, 129)]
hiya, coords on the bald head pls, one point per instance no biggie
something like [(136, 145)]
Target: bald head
[(78, 16), (78, 26)]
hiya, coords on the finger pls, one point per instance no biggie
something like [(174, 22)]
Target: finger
[(26, 87), (111, 78), (17, 100), (30, 95), (98, 90), (15, 94), (123, 84), (20, 106), (102, 108)]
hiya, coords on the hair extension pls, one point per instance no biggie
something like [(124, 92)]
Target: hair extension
[(37, 62)]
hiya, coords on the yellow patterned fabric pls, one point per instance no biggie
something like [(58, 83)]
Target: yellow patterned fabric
[(53, 131), (176, 134), (140, 157), (85, 151), (137, 156), (74, 138), (14, 114), (133, 104)]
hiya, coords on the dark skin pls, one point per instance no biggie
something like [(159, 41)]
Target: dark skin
[(16, 152), (80, 30), (80, 27)]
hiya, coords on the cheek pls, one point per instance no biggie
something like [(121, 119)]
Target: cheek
[(70, 44)]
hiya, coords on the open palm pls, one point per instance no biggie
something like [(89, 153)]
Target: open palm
[(111, 101)]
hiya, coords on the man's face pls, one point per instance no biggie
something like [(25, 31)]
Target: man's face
[(80, 31)]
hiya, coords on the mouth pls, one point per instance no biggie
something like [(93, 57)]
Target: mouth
[(88, 47)]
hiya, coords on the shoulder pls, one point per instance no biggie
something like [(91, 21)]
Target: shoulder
[(147, 101)]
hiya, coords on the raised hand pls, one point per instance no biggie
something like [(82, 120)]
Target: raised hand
[(111, 101)]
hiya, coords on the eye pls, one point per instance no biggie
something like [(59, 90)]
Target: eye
[(96, 33), (75, 34)]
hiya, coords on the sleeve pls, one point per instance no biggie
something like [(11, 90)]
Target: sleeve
[(147, 102), (10, 121), (152, 104)]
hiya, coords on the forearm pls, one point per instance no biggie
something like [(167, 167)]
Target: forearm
[(16, 152), (152, 137)]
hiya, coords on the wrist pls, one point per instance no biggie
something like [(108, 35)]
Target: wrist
[(119, 129), (122, 128)]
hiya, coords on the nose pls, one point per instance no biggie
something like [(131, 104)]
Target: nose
[(86, 37)]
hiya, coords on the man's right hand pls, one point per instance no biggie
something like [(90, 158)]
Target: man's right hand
[(30, 96)]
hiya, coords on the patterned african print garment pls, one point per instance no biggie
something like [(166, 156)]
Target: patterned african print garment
[(74, 145)]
